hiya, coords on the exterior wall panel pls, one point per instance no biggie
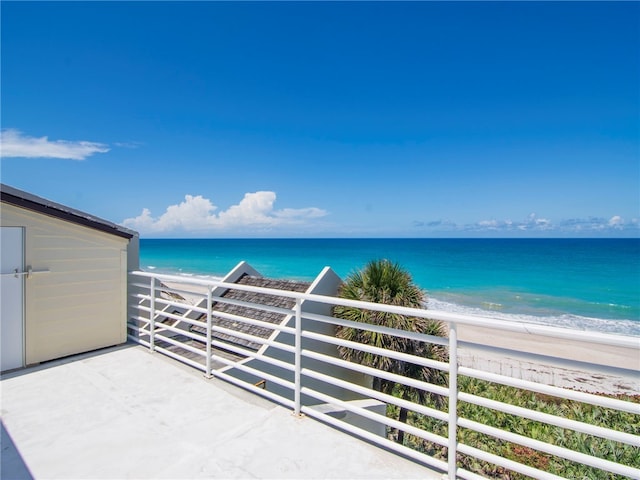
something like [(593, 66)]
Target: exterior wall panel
[(80, 305)]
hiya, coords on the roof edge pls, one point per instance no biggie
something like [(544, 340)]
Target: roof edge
[(20, 198)]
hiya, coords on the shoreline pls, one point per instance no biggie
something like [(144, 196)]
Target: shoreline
[(615, 326), (561, 363)]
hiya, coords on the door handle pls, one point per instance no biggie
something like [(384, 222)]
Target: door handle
[(30, 271), (16, 273)]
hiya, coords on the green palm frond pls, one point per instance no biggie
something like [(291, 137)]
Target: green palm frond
[(382, 281)]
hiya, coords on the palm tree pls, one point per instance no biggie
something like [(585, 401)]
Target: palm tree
[(382, 281)]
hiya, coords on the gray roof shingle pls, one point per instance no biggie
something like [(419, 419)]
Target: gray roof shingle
[(32, 202), (250, 312)]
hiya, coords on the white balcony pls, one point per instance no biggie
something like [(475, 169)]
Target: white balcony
[(123, 413), (127, 413)]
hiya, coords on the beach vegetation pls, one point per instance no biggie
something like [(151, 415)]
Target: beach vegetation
[(570, 409), (382, 281)]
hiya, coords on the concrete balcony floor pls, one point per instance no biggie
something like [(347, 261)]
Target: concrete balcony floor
[(125, 413)]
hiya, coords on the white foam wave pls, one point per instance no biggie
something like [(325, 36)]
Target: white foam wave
[(212, 278), (495, 310), (180, 273), (578, 322), (209, 277)]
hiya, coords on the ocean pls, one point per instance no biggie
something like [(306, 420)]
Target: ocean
[(588, 284)]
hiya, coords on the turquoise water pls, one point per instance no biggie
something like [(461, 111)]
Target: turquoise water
[(581, 283)]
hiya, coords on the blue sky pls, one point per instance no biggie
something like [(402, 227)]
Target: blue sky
[(419, 119)]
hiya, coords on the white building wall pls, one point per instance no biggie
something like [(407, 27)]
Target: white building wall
[(326, 283), (81, 304)]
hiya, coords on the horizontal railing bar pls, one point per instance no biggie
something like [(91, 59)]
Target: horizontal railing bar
[(255, 372), (551, 419), (155, 300), (252, 388), (565, 393), (383, 397), (467, 475), (505, 463), (253, 355), (376, 417), (180, 358), (133, 326), (251, 338), (406, 357), (287, 293), (228, 286), (179, 344), (541, 359), (203, 339), (550, 449), (255, 306), (167, 303), (138, 336), (189, 308), (215, 327), (448, 317), (139, 318), (179, 289), (139, 331), (372, 437), (180, 292), (178, 318), (138, 340), (143, 308), (436, 389), (421, 337), (136, 283), (177, 304), (140, 295), (178, 279), (161, 288), (252, 321)]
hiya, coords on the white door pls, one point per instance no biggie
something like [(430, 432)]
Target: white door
[(11, 298)]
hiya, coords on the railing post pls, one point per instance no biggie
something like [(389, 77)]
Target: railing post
[(298, 357), (209, 339), (152, 317), (453, 401)]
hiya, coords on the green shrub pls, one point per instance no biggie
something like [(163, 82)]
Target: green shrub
[(588, 444)]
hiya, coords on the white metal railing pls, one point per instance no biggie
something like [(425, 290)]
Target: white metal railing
[(296, 370)]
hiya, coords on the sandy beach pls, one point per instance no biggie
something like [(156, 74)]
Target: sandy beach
[(561, 363), (561, 366)]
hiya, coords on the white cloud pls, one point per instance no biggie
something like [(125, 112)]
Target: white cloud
[(197, 214), (14, 144), (254, 209), (535, 224), (490, 224), (311, 212), (531, 223), (533, 219), (616, 222), (128, 144)]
